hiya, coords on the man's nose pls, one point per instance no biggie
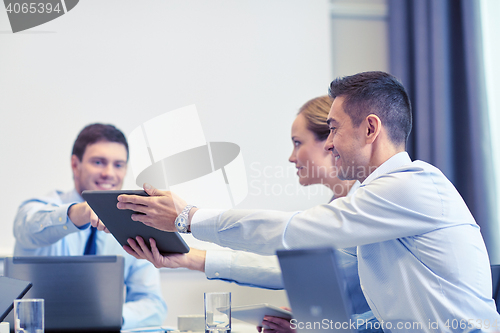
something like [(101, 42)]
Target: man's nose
[(108, 171), (328, 143)]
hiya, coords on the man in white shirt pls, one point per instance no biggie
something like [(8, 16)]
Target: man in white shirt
[(422, 262)]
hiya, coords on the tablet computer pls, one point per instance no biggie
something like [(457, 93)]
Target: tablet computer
[(119, 221), (254, 314)]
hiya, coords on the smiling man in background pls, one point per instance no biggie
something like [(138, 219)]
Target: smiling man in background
[(59, 223)]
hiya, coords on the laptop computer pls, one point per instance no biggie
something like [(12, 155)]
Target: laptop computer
[(81, 293), (495, 278), (11, 289), (316, 291)]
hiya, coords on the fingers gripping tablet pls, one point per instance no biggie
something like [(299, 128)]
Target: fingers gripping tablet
[(121, 225)]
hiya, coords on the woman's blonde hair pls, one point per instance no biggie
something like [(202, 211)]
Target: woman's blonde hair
[(316, 112)]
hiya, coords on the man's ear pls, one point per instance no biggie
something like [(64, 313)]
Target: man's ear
[(373, 128), (75, 162)]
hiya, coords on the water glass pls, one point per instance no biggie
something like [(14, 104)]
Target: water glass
[(29, 315), (218, 312)]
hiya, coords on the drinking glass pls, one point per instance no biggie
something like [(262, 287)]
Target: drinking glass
[(29, 315), (218, 312)]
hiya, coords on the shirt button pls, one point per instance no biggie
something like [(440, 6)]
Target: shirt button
[(65, 227), (217, 274), (60, 219)]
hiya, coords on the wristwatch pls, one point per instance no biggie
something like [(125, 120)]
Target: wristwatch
[(181, 222)]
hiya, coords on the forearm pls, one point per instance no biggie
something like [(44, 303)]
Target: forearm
[(39, 224), (244, 268), (196, 260)]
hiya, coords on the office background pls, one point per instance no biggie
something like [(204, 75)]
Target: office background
[(247, 65)]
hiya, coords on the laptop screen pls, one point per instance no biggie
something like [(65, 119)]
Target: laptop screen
[(81, 293), (316, 291), (11, 289)]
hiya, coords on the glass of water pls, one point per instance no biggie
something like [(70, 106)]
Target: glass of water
[(29, 315), (218, 312)]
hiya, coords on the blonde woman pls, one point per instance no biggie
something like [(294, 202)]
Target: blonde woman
[(314, 166)]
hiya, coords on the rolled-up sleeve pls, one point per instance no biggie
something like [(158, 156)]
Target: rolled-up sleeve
[(41, 223), (244, 268)]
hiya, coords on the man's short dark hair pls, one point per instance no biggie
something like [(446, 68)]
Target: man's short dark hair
[(376, 93), (94, 133)]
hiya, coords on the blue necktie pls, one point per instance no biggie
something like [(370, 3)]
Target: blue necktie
[(90, 247)]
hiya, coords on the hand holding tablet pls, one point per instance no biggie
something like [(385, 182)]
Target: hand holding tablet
[(120, 224)]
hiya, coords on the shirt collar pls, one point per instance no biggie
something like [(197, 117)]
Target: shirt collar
[(392, 163), (354, 187)]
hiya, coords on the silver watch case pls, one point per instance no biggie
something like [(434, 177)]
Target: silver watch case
[(182, 220)]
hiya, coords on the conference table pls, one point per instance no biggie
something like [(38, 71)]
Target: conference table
[(238, 327)]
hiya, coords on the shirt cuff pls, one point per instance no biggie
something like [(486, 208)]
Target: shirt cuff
[(82, 227), (218, 264), (204, 224)]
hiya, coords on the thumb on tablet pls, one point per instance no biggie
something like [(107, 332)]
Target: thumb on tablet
[(96, 222), (150, 190)]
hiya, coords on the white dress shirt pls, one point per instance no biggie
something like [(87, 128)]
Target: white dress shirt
[(42, 228), (423, 265), (255, 270), (247, 268)]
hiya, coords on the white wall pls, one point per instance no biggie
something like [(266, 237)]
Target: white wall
[(359, 32), (248, 65), (491, 53)]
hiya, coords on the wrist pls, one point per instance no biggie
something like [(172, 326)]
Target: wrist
[(76, 214), (183, 222), (190, 218), (197, 260)]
